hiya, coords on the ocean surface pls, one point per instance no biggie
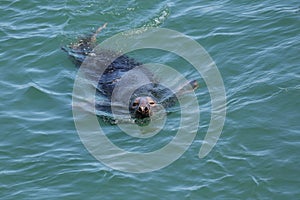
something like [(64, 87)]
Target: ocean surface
[(254, 44)]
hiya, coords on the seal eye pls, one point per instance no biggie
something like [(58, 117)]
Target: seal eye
[(134, 104), (151, 103)]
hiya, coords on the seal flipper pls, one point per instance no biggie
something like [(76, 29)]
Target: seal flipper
[(81, 49), (93, 38), (172, 99)]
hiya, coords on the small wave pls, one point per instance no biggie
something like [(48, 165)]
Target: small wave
[(152, 22), (158, 19)]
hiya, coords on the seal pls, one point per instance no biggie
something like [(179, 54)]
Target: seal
[(144, 99)]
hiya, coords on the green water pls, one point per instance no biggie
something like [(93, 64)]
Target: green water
[(256, 48)]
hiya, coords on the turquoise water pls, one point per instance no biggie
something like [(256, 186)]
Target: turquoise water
[(256, 48)]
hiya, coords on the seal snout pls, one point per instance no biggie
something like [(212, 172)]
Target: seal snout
[(143, 109)]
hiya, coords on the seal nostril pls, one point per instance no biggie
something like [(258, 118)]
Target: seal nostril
[(141, 109)]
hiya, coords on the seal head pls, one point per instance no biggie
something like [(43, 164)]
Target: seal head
[(141, 107)]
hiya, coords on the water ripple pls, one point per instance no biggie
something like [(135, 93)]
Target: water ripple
[(255, 46)]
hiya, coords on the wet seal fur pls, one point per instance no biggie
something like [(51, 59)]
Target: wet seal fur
[(143, 100)]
